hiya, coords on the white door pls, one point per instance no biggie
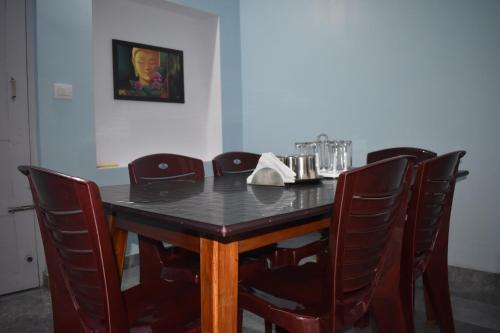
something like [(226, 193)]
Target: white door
[(18, 238)]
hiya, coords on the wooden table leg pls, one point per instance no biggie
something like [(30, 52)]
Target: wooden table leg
[(219, 286), (119, 238)]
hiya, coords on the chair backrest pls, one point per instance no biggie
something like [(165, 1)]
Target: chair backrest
[(82, 269), (234, 162), (419, 153), (160, 167), (430, 202), (370, 202)]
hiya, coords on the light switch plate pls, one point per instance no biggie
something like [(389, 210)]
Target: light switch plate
[(63, 91)]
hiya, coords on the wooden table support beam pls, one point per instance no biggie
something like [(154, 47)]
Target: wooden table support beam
[(119, 238), (281, 235)]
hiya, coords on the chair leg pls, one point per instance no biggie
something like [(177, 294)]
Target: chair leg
[(392, 307), (388, 316), (150, 265), (268, 327), (363, 322), (392, 303), (64, 316), (429, 310), (240, 320), (436, 284), (280, 330), (435, 277)]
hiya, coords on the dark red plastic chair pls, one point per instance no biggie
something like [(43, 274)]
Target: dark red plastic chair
[(330, 295), (83, 274), (234, 162), (425, 251), (161, 167), (419, 153), (171, 263), (237, 162)]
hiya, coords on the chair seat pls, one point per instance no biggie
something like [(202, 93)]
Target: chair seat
[(183, 265), (298, 296), (180, 264), (148, 305), (300, 289)]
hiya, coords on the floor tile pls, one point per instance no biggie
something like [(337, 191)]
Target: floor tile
[(30, 311)]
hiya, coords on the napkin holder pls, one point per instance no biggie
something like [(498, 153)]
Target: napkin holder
[(267, 176)]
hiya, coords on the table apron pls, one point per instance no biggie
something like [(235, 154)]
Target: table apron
[(184, 240), (251, 243), (192, 242)]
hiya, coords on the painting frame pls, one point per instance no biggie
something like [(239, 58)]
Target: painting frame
[(150, 73)]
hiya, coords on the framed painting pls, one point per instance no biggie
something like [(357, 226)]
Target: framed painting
[(147, 73)]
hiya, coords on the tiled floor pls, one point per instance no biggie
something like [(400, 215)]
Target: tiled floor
[(30, 311), (470, 317)]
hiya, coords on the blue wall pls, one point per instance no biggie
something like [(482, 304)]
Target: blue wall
[(64, 54), (384, 73), (232, 121)]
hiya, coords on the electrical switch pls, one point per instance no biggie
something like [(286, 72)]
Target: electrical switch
[(63, 91)]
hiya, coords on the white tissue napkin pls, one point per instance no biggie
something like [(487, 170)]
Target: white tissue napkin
[(269, 160)]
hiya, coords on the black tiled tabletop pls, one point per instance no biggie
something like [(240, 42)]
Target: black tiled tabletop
[(221, 207)]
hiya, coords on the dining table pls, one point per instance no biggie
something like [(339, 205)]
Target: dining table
[(219, 218)]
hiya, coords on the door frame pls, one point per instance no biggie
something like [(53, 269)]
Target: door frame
[(33, 120)]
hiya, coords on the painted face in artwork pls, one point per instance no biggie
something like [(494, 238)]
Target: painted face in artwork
[(145, 61)]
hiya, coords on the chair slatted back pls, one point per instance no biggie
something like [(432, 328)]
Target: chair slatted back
[(161, 167), (419, 153), (432, 193), (234, 162), (370, 202), (75, 233)]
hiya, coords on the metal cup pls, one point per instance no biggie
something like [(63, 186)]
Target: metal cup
[(311, 166), (306, 167), (291, 162), (301, 167)]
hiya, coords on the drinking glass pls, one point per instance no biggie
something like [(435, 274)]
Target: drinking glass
[(347, 154), (300, 148), (342, 156), (334, 155), (323, 152), (311, 148)]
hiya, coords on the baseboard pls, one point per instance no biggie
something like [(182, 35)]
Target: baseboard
[(473, 285)]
